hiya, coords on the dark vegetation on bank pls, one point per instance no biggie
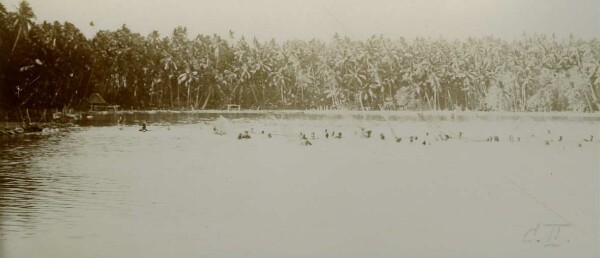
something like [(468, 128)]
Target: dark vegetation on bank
[(52, 65), (34, 122)]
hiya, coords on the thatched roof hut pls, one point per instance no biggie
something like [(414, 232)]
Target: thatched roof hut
[(96, 99), (97, 102)]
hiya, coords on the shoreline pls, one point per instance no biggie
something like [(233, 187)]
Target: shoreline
[(441, 115), (358, 112)]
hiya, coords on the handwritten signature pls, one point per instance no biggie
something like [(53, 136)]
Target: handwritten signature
[(546, 234)]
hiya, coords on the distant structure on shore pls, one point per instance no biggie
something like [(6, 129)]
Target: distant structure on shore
[(97, 103)]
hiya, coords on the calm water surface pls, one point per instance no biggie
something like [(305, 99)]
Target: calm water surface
[(181, 191)]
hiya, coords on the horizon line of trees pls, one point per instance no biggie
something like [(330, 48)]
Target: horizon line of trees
[(53, 65)]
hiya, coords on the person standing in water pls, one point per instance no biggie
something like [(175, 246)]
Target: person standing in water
[(143, 129), (121, 122)]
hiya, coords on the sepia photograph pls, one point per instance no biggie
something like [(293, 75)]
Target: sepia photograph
[(299, 128)]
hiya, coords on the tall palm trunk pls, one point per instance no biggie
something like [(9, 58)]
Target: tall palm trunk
[(362, 107), (254, 94), (594, 98), (450, 99), (197, 96), (436, 99), (15, 44), (282, 95), (466, 100), (428, 101), (302, 95), (588, 101), (171, 94), (524, 94), (189, 103), (210, 93), (151, 94), (177, 92)]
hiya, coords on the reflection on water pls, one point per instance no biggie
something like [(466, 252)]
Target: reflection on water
[(181, 191), (33, 180)]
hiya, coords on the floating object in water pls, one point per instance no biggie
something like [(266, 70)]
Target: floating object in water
[(590, 139), (89, 117), (339, 135), (269, 135), (382, 136), (560, 138), (398, 139)]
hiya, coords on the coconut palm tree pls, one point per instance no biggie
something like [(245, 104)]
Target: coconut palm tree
[(187, 78), (23, 20)]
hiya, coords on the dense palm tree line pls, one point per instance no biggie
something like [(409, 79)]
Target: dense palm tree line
[(53, 65)]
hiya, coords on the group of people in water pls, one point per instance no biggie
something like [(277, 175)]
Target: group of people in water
[(426, 139), (306, 140), (368, 133)]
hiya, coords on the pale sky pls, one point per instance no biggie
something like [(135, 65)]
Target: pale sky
[(307, 19)]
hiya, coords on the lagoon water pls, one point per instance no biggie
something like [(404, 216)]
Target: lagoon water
[(179, 190)]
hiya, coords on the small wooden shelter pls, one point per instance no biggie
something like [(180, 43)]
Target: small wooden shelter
[(97, 103), (233, 107)]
